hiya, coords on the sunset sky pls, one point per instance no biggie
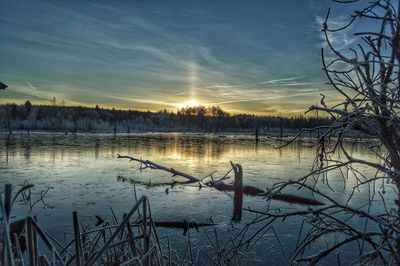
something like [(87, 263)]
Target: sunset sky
[(258, 57)]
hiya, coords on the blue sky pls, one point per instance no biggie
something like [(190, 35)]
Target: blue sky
[(258, 57)]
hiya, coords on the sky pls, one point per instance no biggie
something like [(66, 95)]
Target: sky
[(260, 57)]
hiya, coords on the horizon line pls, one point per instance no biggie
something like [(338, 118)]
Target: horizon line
[(169, 110)]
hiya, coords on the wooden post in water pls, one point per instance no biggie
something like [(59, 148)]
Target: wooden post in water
[(238, 192), (146, 244), (78, 240), (9, 119), (257, 134), (30, 234), (6, 250), (317, 124)]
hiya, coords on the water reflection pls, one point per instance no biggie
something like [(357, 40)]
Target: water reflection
[(183, 147), (83, 171), (198, 154)]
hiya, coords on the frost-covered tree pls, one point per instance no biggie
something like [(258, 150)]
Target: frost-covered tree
[(366, 76)]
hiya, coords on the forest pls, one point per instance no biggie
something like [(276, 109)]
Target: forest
[(73, 119)]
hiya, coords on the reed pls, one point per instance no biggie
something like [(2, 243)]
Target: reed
[(132, 241), (124, 243)]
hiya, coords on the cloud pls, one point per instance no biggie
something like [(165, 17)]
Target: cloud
[(31, 86), (300, 84), (262, 98), (251, 84), (281, 80), (340, 39), (142, 100), (26, 91), (159, 55)]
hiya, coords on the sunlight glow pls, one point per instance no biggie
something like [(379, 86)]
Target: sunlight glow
[(191, 103)]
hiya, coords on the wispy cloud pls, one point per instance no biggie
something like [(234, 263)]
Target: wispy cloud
[(281, 80), (146, 101), (340, 39), (152, 55), (262, 98), (28, 91), (251, 84), (31, 86)]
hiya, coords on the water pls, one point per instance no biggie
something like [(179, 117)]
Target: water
[(85, 175)]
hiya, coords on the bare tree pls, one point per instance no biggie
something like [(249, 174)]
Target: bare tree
[(367, 78)]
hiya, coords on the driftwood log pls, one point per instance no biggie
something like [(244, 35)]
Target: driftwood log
[(237, 187), (247, 190), (295, 199), (185, 225), (153, 165), (219, 185)]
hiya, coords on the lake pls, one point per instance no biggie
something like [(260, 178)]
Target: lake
[(85, 175)]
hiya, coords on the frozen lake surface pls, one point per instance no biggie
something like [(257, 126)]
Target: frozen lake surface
[(85, 175)]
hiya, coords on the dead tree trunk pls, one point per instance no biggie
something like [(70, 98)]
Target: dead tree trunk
[(238, 193)]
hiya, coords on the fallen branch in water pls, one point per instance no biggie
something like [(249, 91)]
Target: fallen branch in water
[(247, 190), (149, 184), (185, 225), (218, 184), (294, 199), (153, 165)]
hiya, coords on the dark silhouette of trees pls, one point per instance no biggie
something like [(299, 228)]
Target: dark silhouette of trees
[(28, 106), (201, 110), (190, 119), (13, 111)]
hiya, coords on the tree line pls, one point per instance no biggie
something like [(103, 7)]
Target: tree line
[(26, 117)]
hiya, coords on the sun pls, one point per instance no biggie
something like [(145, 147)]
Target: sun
[(191, 103)]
